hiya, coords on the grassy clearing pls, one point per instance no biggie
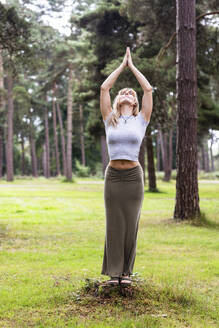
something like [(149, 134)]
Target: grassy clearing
[(51, 248)]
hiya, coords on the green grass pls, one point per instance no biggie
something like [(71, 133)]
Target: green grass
[(51, 249)]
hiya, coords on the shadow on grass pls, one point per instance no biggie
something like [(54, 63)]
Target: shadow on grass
[(204, 222), (155, 191), (65, 180), (201, 222)]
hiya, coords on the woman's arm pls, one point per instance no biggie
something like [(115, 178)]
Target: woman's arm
[(105, 101), (147, 100), (139, 76), (108, 83), (141, 79)]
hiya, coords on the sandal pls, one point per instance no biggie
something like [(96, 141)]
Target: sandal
[(114, 281), (126, 281)]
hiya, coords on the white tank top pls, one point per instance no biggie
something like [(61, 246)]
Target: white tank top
[(124, 140)]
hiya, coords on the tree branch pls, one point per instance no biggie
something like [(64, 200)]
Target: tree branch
[(163, 49)]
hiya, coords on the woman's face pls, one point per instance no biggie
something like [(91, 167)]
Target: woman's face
[(127, 96)]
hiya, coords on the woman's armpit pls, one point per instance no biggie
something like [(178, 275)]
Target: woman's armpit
[(108, 117), (142, 119)]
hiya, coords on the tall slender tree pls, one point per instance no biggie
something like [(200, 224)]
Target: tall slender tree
[(9, 143), (47, 146), (2, 110), (55, 131), (32, 147), (63, 143), (150, 159), (69, 125), (187, 197), (82, 135)]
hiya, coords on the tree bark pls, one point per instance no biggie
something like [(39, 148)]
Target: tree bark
[(47, 143), (158, 152), (9, 146), (165, 161), (2, 109), (53, 170), (82, 135), (150, 159), (44, 160), (187, 197), (170, 154), (199, 159), (22, 156), (163, 151), (203, 167), (167, 154), (69, 125), (62, 138), (162, 147), (1, 152), (55, 133), (212, 157), (206, 155), (33, 149)]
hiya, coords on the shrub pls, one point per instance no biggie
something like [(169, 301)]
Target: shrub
[(82, 170)]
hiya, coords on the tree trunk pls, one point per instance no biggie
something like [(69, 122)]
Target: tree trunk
[(47, 143), (187, 197), (104, 153), (158, 152), (9, 147), (206, 155), (167, 154), (170, 153), (33, 150), (166, 157), (62, 138), (55, 133), (5, 146), (69, 125), (150, 159), (22, 156), (212, 157), (82, 135), (44, 160), (53, 171), (203, 155), (199, 159), (163, 146), (1, 152), (2, 110)]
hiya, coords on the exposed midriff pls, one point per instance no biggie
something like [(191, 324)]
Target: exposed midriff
[(123, 164)]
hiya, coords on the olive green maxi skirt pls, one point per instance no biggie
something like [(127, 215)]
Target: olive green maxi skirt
[(123, 198)]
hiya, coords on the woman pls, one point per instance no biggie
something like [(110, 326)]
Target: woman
[(125, 128)]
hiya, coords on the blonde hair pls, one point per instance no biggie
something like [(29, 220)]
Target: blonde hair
[(117, 107)]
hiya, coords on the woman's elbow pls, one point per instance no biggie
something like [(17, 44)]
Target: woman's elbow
[(104, 87), (148, 89)]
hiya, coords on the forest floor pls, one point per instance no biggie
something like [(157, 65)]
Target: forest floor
[(51, 250)]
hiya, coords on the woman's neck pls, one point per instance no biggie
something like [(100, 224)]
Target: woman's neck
[(126, 110)]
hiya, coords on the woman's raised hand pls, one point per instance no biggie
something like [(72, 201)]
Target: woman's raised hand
[(129, 57), (125, 59)]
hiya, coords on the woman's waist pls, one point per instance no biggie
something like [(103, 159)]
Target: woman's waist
[(123, 164), (134, 173)]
